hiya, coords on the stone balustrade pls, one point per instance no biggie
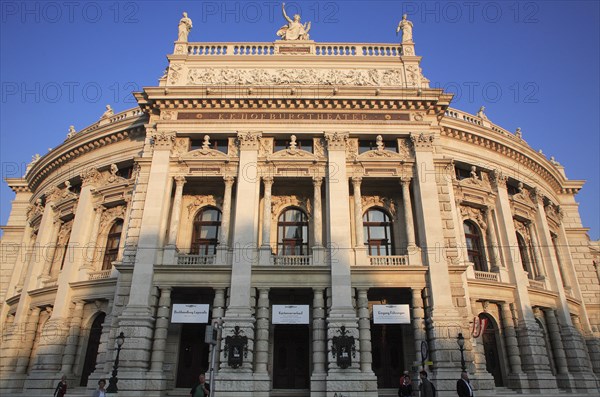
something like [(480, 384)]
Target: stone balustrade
[(192, 260), (486, 276), (392, 260), (538, 284), (292, 260), (99, 275)]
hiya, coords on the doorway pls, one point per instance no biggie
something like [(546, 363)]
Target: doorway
[(291, 367), (91, 352), (193, 354), (490, 348)]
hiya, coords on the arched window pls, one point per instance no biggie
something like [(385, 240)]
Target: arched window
[(474, 247), (292, 232), (112, 244), (525, 258), (205, 236), (377, 227)]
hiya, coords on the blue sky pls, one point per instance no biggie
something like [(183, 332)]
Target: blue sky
[(534, 65)]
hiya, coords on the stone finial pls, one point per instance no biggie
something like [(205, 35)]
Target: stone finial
[(206, 142), (294, 30), (379, 143), (185, 26), (406, 27), (293, 143)]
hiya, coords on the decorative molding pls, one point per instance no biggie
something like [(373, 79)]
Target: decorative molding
[(337, 140), (473, 214), (278, 203), (91, 177), (387, 203), (422, 141), (249, 140), (266, 147), (202, 201), (109, 215), (319, 148), (498, 179), (304, 76), (162, 140)]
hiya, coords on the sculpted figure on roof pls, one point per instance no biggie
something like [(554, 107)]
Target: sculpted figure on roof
[(294, 30), (185, 26), (406, 27)]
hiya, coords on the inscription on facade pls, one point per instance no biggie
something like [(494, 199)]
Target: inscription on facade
[(296, 116)]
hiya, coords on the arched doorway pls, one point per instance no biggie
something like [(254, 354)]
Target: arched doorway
[(491, 349), (91, 353)]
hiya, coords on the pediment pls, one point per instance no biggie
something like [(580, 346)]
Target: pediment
[(205, 154), (292, 154), (382, 154)]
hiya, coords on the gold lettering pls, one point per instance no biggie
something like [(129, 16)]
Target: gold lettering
[(221, 116), (364, 116)]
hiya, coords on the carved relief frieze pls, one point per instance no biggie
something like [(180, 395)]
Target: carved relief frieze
[(64, 233), (91, 177), (233, 147), (181, 146), (404, 148), (319, 148), (176, 74), (35, 210), (278, 203), (53, 195), (266, 147), (522, 229), (168, 115), (303, 76), (387, 203), (351, 149), (498, 179), (199, 201)]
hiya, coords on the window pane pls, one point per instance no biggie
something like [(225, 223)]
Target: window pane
[(376, 216), (377, 232)]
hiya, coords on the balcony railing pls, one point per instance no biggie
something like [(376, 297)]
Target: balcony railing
[(292, 260), (487, 276), (100, 275), (53, 282), (537, 284), (191, 260), (392, 260)]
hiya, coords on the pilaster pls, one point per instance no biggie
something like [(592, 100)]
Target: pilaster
[(265, 248)]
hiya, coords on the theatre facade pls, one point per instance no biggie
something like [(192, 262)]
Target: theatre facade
[(322, 207)]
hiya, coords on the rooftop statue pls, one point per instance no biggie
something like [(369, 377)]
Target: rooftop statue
[(481, 113), (72, 132), (108, 113), (185, 26), (406, 27), (294, 30)]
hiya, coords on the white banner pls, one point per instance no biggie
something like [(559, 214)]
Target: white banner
[(290, 314), (391, 314), (190, 313)]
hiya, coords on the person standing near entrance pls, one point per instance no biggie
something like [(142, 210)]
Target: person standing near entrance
[(201, 389), (61, 388), (463, 386), (101, 392), (426, 388), (405, 389)]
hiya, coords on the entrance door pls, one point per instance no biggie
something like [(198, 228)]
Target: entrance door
[(91, 353), (193, 354), (291, 369), (490, 348), (388, 355)]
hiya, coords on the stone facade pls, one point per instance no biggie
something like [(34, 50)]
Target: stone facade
[(393, 197)]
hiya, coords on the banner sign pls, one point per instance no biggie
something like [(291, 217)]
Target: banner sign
[(391, 314), (190, 313), (290, 314)]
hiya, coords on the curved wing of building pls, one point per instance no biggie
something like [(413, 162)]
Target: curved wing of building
[(329, 213)]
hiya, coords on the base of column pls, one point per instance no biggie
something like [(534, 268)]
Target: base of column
[(517, 382), (264, 256), (350, 383), (534, 359), (318, 385)]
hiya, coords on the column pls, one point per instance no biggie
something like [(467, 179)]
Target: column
[(364, 331), (530, 337), (444, 322), (92, 245), (408, 214), (29, 338), (318, 251), (491, 230), (536, 252), (262, 331), (73, 339), (218, 312), (358, 218), (558, 351), (161, 329), (515, 378), (176, 210), (50, 250), (170, 255), (418, 322), (223, 247), (319, 334), (265, 248)]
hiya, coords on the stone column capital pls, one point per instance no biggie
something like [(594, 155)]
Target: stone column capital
[(405, 180), (249, 140), (90, 177), (422, 141), (268, 180), (356, 180), (162, 140), (229, 179), (180, 180), (336, 140), (498, 179), (317, 181)]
